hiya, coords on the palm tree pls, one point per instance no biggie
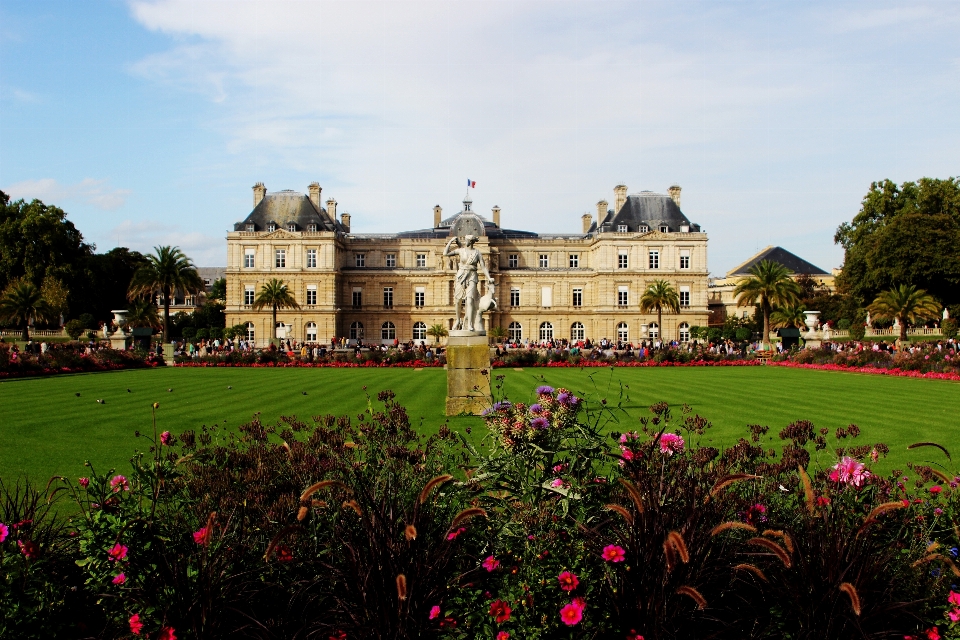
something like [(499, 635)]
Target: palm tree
[(497, 333), (275, 295), (166, 271), (660, 295), (142, 313), (770, 284), (23, 302), (789, 316), (906, 304), (437, 331)]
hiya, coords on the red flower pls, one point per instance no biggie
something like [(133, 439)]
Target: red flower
[(202, 537), (500, 610), (568, 581), (571, 614), (167, 634), (28, 548), (491, 563), (503, 635), (135, 625), (117, 552), (933, 633), (936, 489), (119, 579), (613, 553), (283, 553), (339, 635), (434, 612)]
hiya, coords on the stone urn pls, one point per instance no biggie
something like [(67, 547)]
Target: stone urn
[(812, 320)]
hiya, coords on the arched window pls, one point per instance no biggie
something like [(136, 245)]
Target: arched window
[(311, 332), (515, 331), (356, 331), (388, 331), (623, 333), (251, 331), (546, 331), (576, 331), (684, 332), (419, 331), (654, 330)]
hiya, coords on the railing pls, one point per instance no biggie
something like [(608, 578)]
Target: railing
[(34, 333), (870, 332)]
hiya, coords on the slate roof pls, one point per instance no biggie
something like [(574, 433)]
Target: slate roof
[(489, 228), (646, 208), (793, 263), (283, 207)]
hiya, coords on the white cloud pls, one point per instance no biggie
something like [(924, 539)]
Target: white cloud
[(97, 193), (144, 235)]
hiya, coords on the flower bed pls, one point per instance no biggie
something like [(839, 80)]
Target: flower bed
[(294, 364), (930, 375), (62, 360)]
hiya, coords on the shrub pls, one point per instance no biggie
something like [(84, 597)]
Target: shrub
[(188, 333), (858, 330), (949, 328), (74, 328), (201, 334), (843, 324)]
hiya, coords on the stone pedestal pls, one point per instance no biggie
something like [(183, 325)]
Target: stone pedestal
[(168, 353), (120, 340), (468, 390)]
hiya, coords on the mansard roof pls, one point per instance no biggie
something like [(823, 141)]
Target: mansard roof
[(283, 207), (647, 208), (793, 263), (450, 225)]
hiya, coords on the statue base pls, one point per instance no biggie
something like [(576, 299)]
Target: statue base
[(120, 340), (468, 387)]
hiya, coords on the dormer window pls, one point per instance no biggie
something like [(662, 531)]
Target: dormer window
[(664, 228), (291, 227), (621, 228), (644, 228), (250, 227), (312, 227), (271, 227)]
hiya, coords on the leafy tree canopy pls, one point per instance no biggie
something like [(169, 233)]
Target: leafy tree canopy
[(904, 235)]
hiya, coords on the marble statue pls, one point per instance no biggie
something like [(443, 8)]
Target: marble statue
[(466, 290)]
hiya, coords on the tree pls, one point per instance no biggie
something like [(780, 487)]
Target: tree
[(789, 316), (104, 282), (660, 295), (436, 331), (275, 295), (769, 283), (55, 294), (905, 234), (218, 290), (23, 302), (142, 313), (498, 333), (906, 304), (166, 271)]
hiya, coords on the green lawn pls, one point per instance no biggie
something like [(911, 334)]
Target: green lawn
[(46, 429)]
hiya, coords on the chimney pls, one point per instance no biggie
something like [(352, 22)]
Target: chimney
[(332, 208), (588, 221), (437, 215), (674, 192), (602, 210), (621, 196), (315, 194), (259, 192), (496, 215), (344, 219)]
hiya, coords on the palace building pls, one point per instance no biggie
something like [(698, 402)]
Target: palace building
[(381, 287)]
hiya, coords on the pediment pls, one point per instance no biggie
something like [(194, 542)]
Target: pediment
[(281, 234)]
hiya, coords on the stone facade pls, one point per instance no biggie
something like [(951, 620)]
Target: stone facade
[(383, 286)]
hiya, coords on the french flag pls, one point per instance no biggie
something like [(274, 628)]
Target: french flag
[(471, 183)]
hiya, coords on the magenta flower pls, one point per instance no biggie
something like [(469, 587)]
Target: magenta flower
[(614, 553), (83, 482), (4, 532), (954, 615), (571, 614), (434, 612), (166, 438), (167, 633), (119, 579), (491, 563), (202, 537), (849, 471), (954, 598), (118, 483), (135, 625), (936, 489), (568, 580), (557, 483), (503, 635), (670, 443), (117, 552)]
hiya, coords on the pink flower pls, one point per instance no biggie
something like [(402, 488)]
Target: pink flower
[(933, 633), (613, 553), (83, 482), (202, 537), (117, 552), (119, 579), (503, 635), (119, 482), (434, 612), (557, 483), (936, 489), (135, 625), (4, 532), (850, 471), (167, 634), (568, 580), (453, 534), (166, 438), (491, 563), (954, 598), (954, 615), (670, 443), (571, 614), (626, 453)]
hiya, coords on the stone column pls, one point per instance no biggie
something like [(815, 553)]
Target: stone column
[(468, 373)]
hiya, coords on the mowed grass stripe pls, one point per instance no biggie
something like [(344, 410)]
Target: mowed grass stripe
[(45, 429)]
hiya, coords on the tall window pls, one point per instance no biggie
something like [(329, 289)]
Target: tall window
[(654, 261), (684, 296), (515, 331), (311, 294), (621, 228), (623, 296), (419, 331), (546, 297), (623, 333), (544, 261), (251, 331), (514, 297), (578, 297), (281, 258), (388, 297), (574, 260), (684, 332), (622, 260), (421, 259), (684, 258), (546, 331), (357, 297), (576, 331), (311, 258), (356, 331), (249, 255), (311, 332), (391, 260), (248, 294), (388, 331), (654, 330), (513, 261), (419, 296), (359, 259)]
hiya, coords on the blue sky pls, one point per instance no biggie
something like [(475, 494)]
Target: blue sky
[(149, 121)]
